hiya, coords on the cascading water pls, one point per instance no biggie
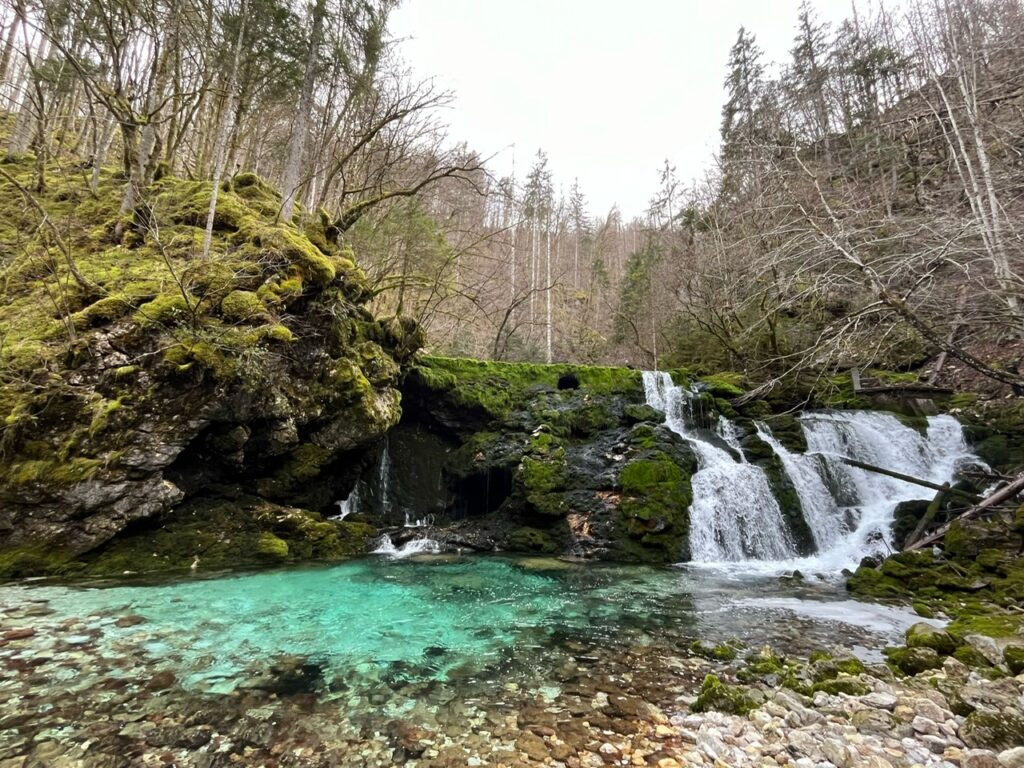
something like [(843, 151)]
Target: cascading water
[(384, 480), (857, 521), (348, 505), (734, 517)]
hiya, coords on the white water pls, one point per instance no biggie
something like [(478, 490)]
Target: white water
[(411, 548), (734, 515), (826, 520), (384, 480), (735, 523), (347, 506)]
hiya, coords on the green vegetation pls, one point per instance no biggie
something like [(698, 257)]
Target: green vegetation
[(720, 697), (494, 388)]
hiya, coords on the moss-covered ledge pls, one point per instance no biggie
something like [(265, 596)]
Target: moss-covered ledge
[(158, 376)]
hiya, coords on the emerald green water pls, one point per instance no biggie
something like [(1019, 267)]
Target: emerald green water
[(432, 618), (457, 647)]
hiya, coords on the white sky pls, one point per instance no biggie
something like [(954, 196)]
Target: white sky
[(608, 88)]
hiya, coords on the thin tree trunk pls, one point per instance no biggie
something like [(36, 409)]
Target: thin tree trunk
[(297, 142), (218, 162)]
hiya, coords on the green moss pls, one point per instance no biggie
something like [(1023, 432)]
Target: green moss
[(720, 652), (1013, 655), (53, 472), (271, 547), (922, 635), (242, 306), (653, 509), (965, 654), (912, 661), (166, 309), (720, 697), (526, 539), (32, 560), (301, 465), (993, 730), (724, 385), (494, 388)]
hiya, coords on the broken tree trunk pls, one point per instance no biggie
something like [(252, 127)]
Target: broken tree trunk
[(1003, 494), (915, 480), (928, 517)]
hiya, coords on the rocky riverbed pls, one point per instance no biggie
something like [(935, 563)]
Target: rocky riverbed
[(112, 688)]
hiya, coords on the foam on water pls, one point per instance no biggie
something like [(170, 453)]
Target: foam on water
[(735, 522)]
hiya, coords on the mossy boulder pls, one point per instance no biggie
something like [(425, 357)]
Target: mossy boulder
[(108, 400), (1013, 655), (715, 695), (923, 635), (913, 661), (995, 730), (526, 539)]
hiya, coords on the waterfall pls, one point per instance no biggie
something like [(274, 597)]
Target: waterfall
[(824, 517), (734, 515), (858, 521), (384, 480), (348, 505)]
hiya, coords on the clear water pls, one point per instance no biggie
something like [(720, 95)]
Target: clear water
[(427, 616), (457, 646)]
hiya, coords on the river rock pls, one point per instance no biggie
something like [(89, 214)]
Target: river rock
[(1012, 758)]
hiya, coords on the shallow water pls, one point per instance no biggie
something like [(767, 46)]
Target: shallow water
[(378, 638)]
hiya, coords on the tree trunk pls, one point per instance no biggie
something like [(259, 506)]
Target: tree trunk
[(297, 142), (218, 161)]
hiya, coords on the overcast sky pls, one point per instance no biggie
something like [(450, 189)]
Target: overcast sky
[(608, 88)]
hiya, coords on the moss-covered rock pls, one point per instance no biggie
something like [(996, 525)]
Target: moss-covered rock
[(1013, 655), (922, 635), (913, 661), (721, 697), (107, 400), (995, 730)]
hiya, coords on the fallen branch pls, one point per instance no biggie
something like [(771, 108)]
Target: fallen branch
[(973, 498), (1003, 494)]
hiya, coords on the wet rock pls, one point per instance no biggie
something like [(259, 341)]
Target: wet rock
[(162, 680), (22, 633), (129, 621)]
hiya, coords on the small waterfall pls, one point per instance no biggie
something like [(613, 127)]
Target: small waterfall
[(824, 517), (384, 480), (347, 506), (860, 513), (734, 515), (412, 547)]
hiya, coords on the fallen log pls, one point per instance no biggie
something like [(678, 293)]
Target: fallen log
[(1005, 493), (973, 498), (933, 509)]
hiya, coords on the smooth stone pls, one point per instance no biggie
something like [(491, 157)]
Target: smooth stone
[(1012, 758), (880, 700), (979, 758)]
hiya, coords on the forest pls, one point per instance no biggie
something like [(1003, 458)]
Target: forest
[(861, 211)]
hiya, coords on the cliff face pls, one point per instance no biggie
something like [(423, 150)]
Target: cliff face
[(157, 380)]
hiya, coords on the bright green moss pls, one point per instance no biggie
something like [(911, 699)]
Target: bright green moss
[(720, 697), (242, 306), (271, 547), (495, 388), (53, 472), (166, 309), (724, 385)]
